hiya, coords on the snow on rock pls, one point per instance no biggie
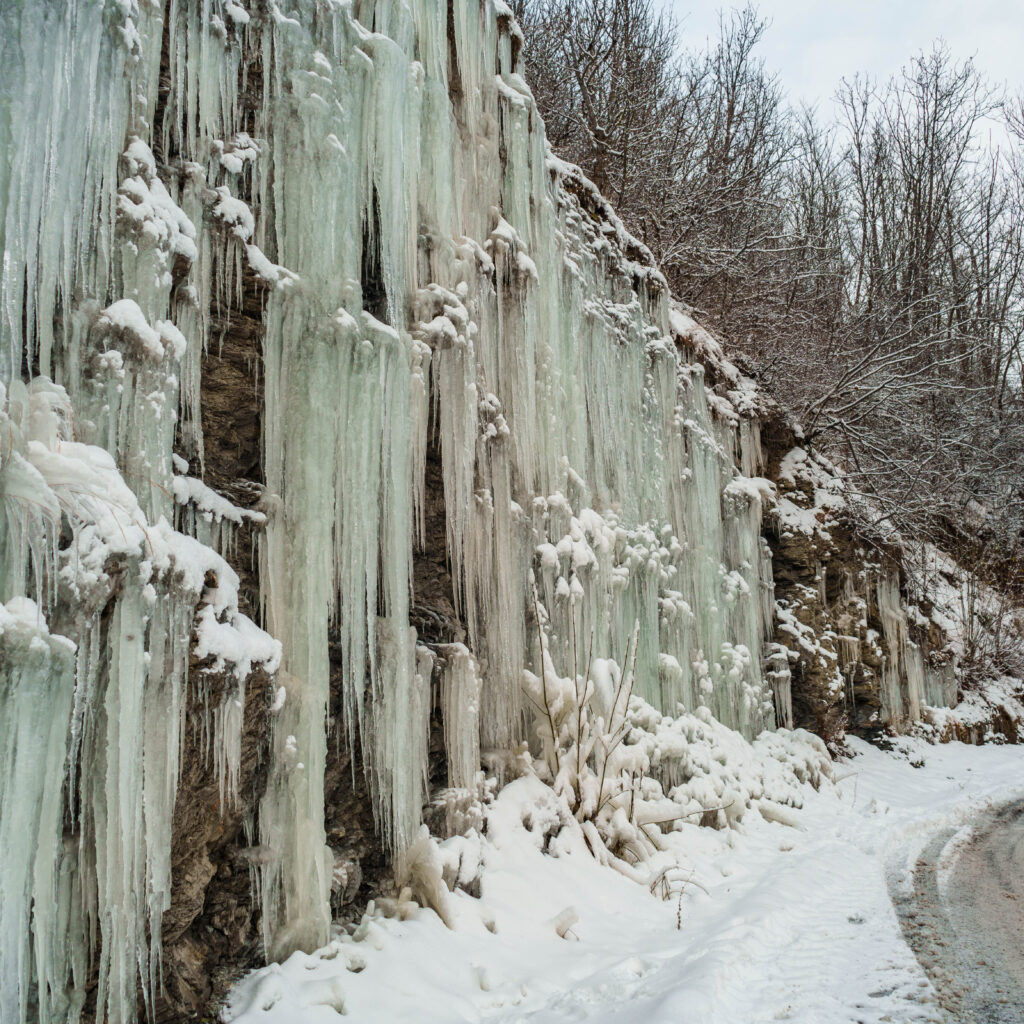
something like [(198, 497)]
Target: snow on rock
[(234, 213), (124, 320), (144, 204), (814, 493), (207, 515), (190, 490), (236, 12), (267, 270), (234, 153), (234, 643), (754, 488)]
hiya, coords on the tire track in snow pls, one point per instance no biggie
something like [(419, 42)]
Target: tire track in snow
[(963, 916)]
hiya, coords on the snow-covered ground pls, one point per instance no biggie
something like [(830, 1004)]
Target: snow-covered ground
[(773, 923)]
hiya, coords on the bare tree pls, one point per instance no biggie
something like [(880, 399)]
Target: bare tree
[(870, 273), (605, 76)]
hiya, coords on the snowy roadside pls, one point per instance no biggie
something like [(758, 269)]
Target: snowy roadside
[(795, 923)]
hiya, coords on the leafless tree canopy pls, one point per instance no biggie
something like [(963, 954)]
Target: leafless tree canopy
[(868, 270)]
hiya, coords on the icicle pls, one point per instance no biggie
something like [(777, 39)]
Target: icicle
[(903, 679), (227, 744), (36, 687), (296, 883), (66, 75), (460, 704), (940, 686), (398, 735), (778, 674)]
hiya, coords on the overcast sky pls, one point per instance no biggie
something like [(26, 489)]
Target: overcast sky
[(812, 44)]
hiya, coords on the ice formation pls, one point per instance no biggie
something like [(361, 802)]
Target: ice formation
[(573, 434), (108, 672), (434, 278), (101, 596)]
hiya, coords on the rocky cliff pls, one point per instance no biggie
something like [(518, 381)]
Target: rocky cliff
[(304, 326)]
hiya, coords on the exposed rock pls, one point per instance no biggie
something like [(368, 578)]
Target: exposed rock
[(211, 931)]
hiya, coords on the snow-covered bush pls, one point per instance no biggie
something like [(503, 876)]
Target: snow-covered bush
[(628, 774), (581, 725)]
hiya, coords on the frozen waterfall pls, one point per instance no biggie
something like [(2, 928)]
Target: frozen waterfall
[(434, 279)]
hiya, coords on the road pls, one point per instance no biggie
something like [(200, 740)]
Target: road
[(963, 916)]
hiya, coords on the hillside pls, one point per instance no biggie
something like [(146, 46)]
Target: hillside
[(358, 467)]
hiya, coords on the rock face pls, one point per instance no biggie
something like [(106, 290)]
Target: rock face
[(210, 932), (828, 612), (851, 649), (865, 655), (813, 556)]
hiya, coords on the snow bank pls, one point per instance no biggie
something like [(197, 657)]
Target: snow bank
[(555, 936)]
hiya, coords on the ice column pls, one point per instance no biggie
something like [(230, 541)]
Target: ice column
[(37, 680)]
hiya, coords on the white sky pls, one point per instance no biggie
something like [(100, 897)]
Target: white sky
[(813, 44)]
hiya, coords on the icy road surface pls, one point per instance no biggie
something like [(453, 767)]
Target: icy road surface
[(964, 917), (796, 924)]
